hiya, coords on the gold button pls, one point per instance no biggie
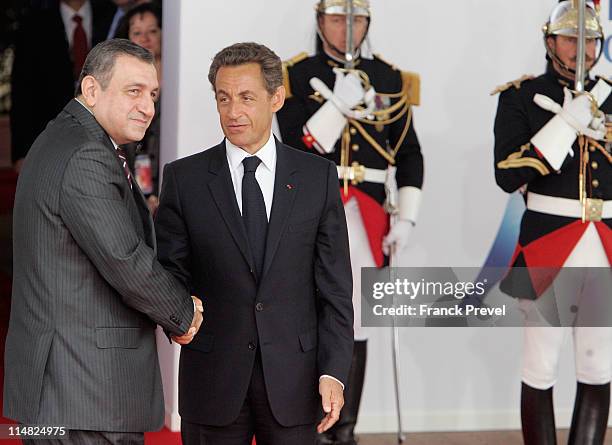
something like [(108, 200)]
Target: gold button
[(353, 131), (595, 183), (591, 148), (594, 165), (355, 147)]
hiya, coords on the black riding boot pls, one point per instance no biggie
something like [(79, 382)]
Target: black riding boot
[(590, 419), (537, 416), (342, 433)]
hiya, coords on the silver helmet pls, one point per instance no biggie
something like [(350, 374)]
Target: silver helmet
[(360, 7), (564, 21)]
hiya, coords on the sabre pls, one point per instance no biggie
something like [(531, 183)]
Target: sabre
[(581, 45), (580, 5), (391, 207), (396, 357), (349, 53)]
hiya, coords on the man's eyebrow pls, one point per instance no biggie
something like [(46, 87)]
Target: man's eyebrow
[(139, 85), (241, 93), (135, 84)]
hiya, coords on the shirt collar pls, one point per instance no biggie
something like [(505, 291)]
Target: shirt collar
[(554, 74), (267, 154), (67, 12), (336, 62)]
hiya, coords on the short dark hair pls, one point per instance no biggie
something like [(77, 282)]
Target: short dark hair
[(101, 60), (250, 52), (123, 29)]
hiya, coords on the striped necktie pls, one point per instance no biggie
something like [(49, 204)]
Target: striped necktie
[(123, 158)]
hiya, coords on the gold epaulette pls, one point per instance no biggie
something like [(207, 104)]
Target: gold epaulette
[(288, 64), (411, 85), (514, 83)]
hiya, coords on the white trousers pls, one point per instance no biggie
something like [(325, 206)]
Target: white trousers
[(592, 345), (361, 256)]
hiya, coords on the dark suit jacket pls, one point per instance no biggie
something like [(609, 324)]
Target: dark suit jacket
[(299, 315), (87, 290), (42, 81)]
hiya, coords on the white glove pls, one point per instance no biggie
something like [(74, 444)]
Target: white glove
[(348, 88), (409, 202), (556, 138), (325, 126), (398, 236)]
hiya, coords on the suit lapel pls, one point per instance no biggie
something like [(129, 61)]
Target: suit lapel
[(222, 191), (145, 215), (285, 189)]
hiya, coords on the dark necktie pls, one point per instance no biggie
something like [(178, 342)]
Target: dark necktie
[(254, 212), (79, 45), (126, 169)]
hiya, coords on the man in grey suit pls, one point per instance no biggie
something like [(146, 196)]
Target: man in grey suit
[(88, 290)]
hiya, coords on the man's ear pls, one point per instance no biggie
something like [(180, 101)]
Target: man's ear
[(90, 88), (278, 99), (550, 42)]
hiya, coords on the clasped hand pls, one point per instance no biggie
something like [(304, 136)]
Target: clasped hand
[(198, 317)]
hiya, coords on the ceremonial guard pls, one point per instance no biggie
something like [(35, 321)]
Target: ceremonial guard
[(551, 143), (357, 111)]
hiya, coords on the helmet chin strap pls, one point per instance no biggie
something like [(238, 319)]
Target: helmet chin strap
[(566, 71)]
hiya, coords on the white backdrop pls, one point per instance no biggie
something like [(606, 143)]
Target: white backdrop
[(454, 379)]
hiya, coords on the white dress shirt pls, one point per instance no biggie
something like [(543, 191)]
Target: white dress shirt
[(69, 25), (264, 176), (264, 173)]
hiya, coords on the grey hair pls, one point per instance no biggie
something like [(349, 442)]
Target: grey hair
[(101, 60), (250, 52)]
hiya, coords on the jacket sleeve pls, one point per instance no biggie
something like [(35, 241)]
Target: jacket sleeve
[(402, 135), (93, 209), (334, 282), (517, 162), (173, 247)]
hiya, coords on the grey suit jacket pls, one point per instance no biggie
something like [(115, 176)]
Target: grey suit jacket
[(87, 288)]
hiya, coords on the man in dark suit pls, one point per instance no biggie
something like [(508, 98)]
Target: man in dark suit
[(87, 289), (258, 229), (50, 47)]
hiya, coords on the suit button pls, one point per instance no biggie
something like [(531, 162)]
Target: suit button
[(595, 183), (259, 307), (594, 165), (353, 131), (355, 147), (251, 346)]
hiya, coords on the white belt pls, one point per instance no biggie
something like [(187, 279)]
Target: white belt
[(571, 208), (359, 173)]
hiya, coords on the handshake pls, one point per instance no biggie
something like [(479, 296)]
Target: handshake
[(198, 317)]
